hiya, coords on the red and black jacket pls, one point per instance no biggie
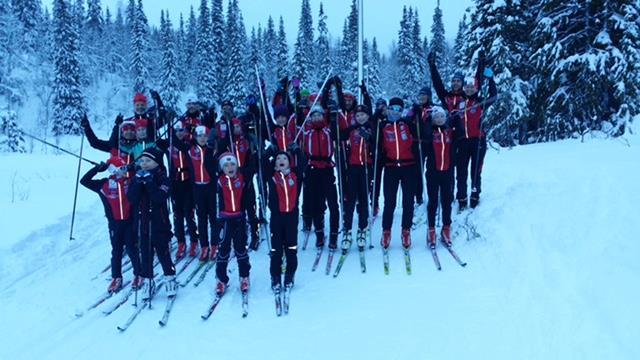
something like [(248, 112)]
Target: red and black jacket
[(283, 135), (112, 192), (397, 145), (468, 117), (318, 145), (233, 199), (360, 139), (451, 99), (284, 190), (201, 162), (439, 149)]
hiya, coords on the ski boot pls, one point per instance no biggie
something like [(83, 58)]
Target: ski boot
[(115, 285), (275, 285), (193, 249), (361, 239), (333, 241), (182, 249), (220, 287), (147, 289), (244, 284), (386, 239), (136, 284), (319, 239), (474, 200), (204, 254), (431, 240), (346, 242), (406, 238), (171, 285), (462, 204), (288, 281), (446, 235)]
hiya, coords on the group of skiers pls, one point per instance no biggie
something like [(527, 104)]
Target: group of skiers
[(337, 153)]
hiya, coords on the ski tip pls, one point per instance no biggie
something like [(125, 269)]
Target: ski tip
[(162, 324), (463, 264), (121, 329), (78, 315), (244, 315)]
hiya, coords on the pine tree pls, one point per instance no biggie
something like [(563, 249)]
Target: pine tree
[(180, 50), (373, 73), (10, 31), (190, 49), (234, 55), (349, 50), (11, 138), (282, 60), (29, 13), (405, 56), (267, 69), (169, 82), (322, 48), (205, 67), (217, 30), (419, 56), (68, 101), (439, 44), (303, 49), (458, 46), (139, 49)]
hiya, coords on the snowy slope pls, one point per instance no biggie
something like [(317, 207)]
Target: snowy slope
[(553, 275)]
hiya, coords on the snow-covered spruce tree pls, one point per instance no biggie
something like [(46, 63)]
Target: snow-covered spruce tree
[(373, 71), (180, 40), (269, 51), (458, 45), (282, 52), (255, 58), (322, 48), (205, 67), (439, 44), (29, 13), (139, 49), (117, 49), (189, 50), (419, 56), (583, 67), (235, 51), (169, 81), (11, 138), (217, 31), (349, 50), (68, 102), (303, 53), (10, 40), (406, 57), (93, 42)]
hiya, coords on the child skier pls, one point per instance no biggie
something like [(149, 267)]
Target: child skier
[(113, 193), (398, 150), (202, 155), (233, 201), (148, 195), (285, 184), (439, 145), (359, 172)]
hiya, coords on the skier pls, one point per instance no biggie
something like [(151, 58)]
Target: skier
[(320, 180), (244, 150), (223, 124), (113, 193), (285, 184), (420, 111), (233, 201), (121, 141), (148, 195), (202, 152), (183, 203), (471, 144), (359, 159), (451, 99), (398, 151), (439, 172)]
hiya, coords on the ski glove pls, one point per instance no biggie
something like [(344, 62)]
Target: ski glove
[(119, 119), (85, 121), (103, 166), (488, 73)]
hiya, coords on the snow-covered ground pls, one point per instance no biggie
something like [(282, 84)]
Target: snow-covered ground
[(554, 275)]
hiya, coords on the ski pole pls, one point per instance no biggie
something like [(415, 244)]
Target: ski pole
[(59, 148), (306, 118), (375, 175), (75, 197)]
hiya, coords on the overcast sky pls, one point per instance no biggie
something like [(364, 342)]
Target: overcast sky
[(382, 17)]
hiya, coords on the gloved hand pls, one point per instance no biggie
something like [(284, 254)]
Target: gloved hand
[(337, 81), (363, 87), (296, 83), (85, 121), (143, 176), (284, 82), (488, 73), (481, 55), (119, 119), (293, 147), (102, 166), (154, 95), (431, 59)]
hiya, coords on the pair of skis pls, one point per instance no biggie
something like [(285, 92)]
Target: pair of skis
[(282, 299), (216, 301), (436, 260), (343, 258), (407, 260), (104, 297), (147, 304), (316, 261)]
